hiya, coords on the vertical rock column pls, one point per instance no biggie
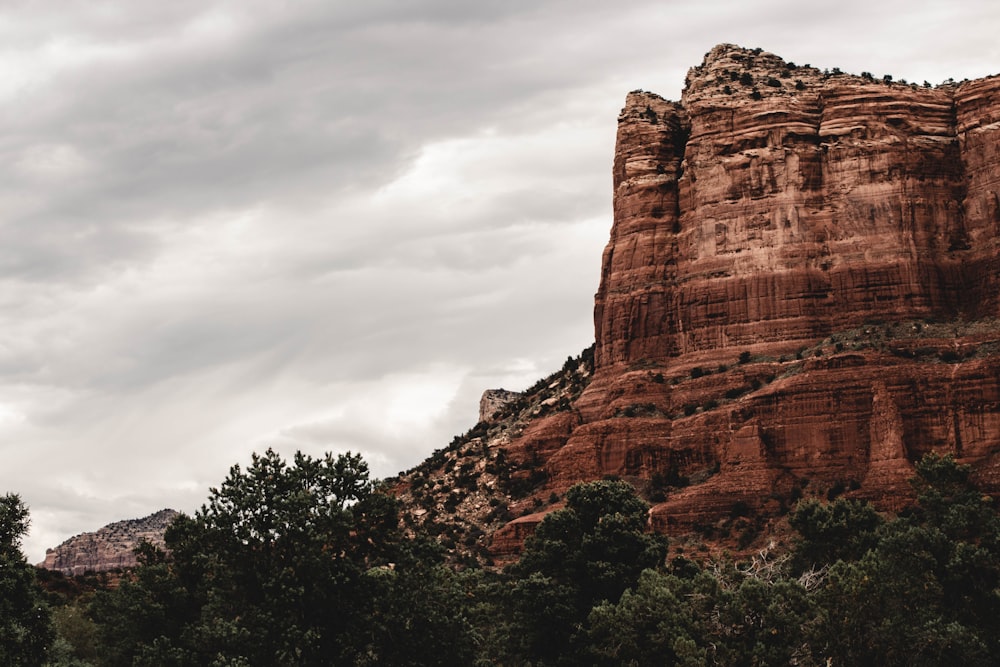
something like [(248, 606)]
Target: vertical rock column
[(639, 268), (978, 125)]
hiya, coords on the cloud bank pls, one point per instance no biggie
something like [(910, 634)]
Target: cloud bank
[(329, 226)]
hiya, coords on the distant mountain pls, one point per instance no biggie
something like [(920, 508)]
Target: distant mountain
[(109, 548)]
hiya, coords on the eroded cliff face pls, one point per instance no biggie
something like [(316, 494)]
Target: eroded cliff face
[(109, 548), (767, 214), (800, 294)]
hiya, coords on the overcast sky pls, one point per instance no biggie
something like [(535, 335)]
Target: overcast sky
[(330, 226)]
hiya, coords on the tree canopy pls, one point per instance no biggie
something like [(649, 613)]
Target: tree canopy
[(587, 553), (285, 565), (25, 623), (304, 563)]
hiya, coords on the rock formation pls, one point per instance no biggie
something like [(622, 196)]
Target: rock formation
[(493, 401), (800, 295), (110, 548), (767, 214)]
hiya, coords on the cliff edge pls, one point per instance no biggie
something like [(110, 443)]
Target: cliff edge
[(800, 296)]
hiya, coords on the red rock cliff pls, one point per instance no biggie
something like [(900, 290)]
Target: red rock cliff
[(802, 287), (771, 222)]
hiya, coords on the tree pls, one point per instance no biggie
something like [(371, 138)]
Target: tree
[(25, 624), (152, 607), (927, 592), (591, 551), (420, 615), (841, 530), (655, 623), (278, 555), (287, 564), (723, 615)]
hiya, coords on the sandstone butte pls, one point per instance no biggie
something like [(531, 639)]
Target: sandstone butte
[(800, 297), (801, 290), (110, 548)]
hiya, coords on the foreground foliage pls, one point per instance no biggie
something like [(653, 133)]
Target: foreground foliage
[(299, 564), (25, 624), (304, 564), (927, 591), (588, 553)]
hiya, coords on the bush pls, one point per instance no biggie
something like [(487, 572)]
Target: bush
[(739, 509), (950, 356)]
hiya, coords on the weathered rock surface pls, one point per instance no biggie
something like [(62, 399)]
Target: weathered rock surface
[(493, 401), (778, 209), (110, 548), (769, 223), (800, 296)]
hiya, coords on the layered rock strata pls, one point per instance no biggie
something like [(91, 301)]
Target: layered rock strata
[(771, 215), (801, 293), (109, 548)]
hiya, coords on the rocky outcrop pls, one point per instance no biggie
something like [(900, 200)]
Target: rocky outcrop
[(800, 296), (468, 493), (110, 548), (493, 401)]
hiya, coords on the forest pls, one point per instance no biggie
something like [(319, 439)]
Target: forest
[(305, 562)]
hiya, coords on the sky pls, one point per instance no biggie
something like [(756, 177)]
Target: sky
[(329, 226)]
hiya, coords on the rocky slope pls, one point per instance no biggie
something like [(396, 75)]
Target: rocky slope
[(110, 548), (483, 482), (800, 295)]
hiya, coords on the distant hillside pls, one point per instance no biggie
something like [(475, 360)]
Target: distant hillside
[(109, 548)]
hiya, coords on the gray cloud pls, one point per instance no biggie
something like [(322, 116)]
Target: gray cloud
[(315, 225)]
